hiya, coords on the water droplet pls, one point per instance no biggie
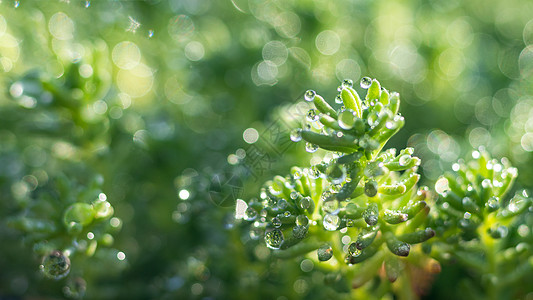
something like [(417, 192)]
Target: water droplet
[(336, 174), (331, 222), (372, 119), (347, 83), (404, 160), (309, 95), (87, 4), (276, 222), (274, 239), (150, 33), (311, 148), (331, 206), (338, 99), (296, 135), (299, 231), (346, 119), (312, 116), (302, 220), (16, 4), (325, 252), (282, 204), (352, 250), (371, 188), (366, 82), (287, 214), (294, 195), (390, 125), (250, 214), (305, 202), (55, 265), (314, 172), (456, 167)]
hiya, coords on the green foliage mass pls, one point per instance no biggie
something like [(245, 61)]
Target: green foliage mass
[(139, 142)]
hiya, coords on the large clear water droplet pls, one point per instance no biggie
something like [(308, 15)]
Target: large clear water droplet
[(346, 119), (309, 95), (311, 148), (325, 252), (312, 116), (352, 250), (274, 239), (294, 195), (366, 82), (276, 222), (250, 214), (404, 160), (299, 231), (314, 172), (347, 83), (331, 222), (336, 174), (371, 188), (282, 204), (302, 220), (55, 265), (296, 135), (331, 206), (305, 202)]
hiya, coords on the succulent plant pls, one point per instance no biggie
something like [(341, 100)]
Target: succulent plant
[(360, 204)]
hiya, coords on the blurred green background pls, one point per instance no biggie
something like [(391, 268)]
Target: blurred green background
[(184, 106)]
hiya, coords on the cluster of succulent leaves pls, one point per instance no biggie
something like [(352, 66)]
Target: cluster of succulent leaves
[(361, 206), (482, 227), (360, 203)]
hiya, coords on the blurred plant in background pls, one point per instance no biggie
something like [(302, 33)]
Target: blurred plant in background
[(184, 107)]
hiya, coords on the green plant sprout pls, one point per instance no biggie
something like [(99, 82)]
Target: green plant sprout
[(482, 228), (361, 213), (360, 205), (66, 222)]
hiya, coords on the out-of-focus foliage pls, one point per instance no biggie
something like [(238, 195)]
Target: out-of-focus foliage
[(183, 107)]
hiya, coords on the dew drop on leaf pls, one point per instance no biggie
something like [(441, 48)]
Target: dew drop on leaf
[(404, 160), (276, 222), (305, 202), (347, 83), (325, 252), (338, 99), (312, 116), (296, 135), (250, 214), (309, 95), (346, 119), (365, 82), (274, 239), (311, 148), (302, 220), (55, 265), (336, 174), (331, 222)]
